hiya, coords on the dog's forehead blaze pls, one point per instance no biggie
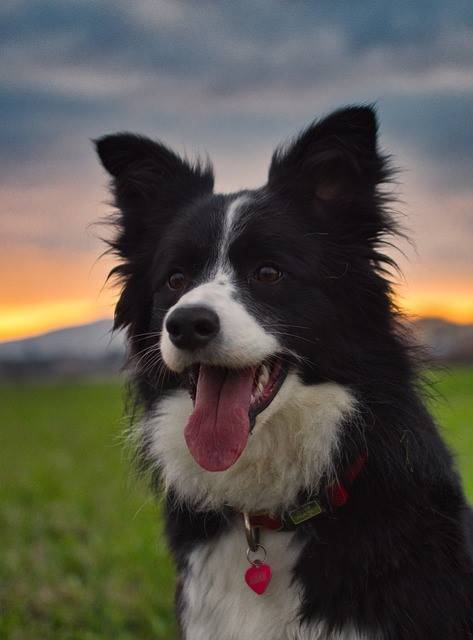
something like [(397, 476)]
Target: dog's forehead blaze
[(207, 228)]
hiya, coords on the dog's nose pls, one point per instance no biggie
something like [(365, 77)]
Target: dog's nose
[(192, 327)]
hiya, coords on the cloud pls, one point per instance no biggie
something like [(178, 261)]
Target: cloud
[(229, 78), (229, 48)]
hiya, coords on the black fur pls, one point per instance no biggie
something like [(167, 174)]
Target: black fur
[(397, 560)]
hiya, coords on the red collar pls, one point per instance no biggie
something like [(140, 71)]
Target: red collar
[(336, 495)]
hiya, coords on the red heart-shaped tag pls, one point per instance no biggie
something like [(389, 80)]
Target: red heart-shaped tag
[(257, 577)]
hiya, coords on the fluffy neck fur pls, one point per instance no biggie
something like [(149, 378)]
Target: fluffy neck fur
[(290, 450)]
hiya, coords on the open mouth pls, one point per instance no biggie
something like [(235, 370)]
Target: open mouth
[(226, 404)]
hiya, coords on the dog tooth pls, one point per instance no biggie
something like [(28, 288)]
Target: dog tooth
[(264, 377)]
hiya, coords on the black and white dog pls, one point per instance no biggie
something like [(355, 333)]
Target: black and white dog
[(308, 493)]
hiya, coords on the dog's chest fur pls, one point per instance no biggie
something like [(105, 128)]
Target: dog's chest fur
[(290, 449), (217, 603)]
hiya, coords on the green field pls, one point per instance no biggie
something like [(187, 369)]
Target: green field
[(82, 554)]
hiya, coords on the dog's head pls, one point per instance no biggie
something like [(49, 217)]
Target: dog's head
[(226, 294)]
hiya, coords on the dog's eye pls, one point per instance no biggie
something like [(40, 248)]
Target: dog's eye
[(268, 274), (177, 281)]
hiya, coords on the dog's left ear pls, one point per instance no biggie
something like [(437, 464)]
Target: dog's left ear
[(150, 184), (333, 160)]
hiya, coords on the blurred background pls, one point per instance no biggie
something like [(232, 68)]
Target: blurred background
[(82, 555)]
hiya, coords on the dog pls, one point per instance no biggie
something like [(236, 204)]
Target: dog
[(308, 493)]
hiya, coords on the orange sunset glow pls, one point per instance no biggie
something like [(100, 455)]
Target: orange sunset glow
[(51, 294), (49, 291)]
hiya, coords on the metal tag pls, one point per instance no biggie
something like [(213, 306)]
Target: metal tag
[(306, 512)]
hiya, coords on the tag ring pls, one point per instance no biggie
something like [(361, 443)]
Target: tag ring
[(256, 561)]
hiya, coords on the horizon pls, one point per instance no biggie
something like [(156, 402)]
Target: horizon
[(410, 318), (255, 80)]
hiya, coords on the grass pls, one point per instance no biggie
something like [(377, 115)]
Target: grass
[(453, 409), (82, 555)]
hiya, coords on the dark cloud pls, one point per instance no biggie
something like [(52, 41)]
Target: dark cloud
[(438, 129), (250, 40)]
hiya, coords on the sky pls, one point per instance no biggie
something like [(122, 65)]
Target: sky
[(231, 80)]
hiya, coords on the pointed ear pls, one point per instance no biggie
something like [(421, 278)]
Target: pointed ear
[(121, 152), (333, 160), (139, 164), (149, 183)]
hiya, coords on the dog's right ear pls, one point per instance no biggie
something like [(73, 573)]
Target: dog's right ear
[(144, 170), (150, 183), (121, 152)]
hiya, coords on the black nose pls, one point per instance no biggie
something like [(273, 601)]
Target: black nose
[(192, 327)]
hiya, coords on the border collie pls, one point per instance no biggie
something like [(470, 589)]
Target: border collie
[(308, 493)]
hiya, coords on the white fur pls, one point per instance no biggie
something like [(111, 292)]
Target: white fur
[(229, 232), (218, 605), (291, 447)]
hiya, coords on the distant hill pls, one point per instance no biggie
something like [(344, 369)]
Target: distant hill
[(92, 349), (445, 341), (81, 350)]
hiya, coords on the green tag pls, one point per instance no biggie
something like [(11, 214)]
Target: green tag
[(306, 512)]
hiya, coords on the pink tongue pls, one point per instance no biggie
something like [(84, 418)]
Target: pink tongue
[(218, 428)]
